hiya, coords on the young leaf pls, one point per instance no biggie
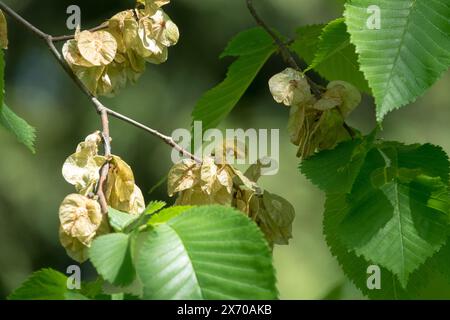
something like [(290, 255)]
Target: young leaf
[(8, 119), (20, 128), (407, 53), (335, 171), (328, 50), (165, 215), (120, 220), (111, 256), (208, 252), (253, 48), (248, 42), (398, 213), (154, 206), (45, 284)]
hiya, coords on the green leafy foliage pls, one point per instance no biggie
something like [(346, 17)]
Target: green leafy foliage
[(154, 206), (253, 48), (399, 211), (120, 220), (356, 267), (328, 50), (8, 119), (111, 256), (334, 171), (392, 209), (24, 133), (409, 52), (209, 252), (165, 215), (45, 284)]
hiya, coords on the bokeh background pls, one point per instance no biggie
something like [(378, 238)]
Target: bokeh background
[(31, 186)]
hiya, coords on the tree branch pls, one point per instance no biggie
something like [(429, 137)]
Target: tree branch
[(284, 50), (105, 168), (99, 107), (71, 36), (289, 58)]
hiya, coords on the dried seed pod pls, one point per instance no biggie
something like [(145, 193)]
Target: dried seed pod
[(331, 130), (228, 150), (99, 47), (273, 214), (276, 218), (203, 184), (210, 183), (155, 3), (348, 94), (137, 202), (290, 87), (82, 168), (3, 31), (106, 60), (182, 176), (120, 185), (163, 29), (296, 122), (73, 56), (80, 217), (74, 248)]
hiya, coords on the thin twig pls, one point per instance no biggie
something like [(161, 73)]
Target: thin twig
[(99, 107), (71, 36), (284, 50), (105, 168)]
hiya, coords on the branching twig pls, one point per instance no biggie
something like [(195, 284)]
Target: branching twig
[(105, 168), (71, 36), (99, 107), (289, 58), (284, 50)]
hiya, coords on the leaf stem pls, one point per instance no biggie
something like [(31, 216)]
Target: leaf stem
[(284, 50)]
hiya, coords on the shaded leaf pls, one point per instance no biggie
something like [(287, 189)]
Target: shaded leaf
[(328, 50), (398, 212), (407, 54), (24, 133), (111, 256), (217, 103)]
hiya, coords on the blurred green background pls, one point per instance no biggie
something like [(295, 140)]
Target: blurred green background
[(31, 186)]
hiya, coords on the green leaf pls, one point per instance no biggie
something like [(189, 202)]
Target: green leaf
[(154, 206), (328, 50), (208, 252), (45, 284), (407, 54), (248, 42), (355, 267), (398, 213), (111, 256), (335, 171), (20, 128), (253, 49), (167, 214), (73, 295), (120, 220), (94, 289)]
